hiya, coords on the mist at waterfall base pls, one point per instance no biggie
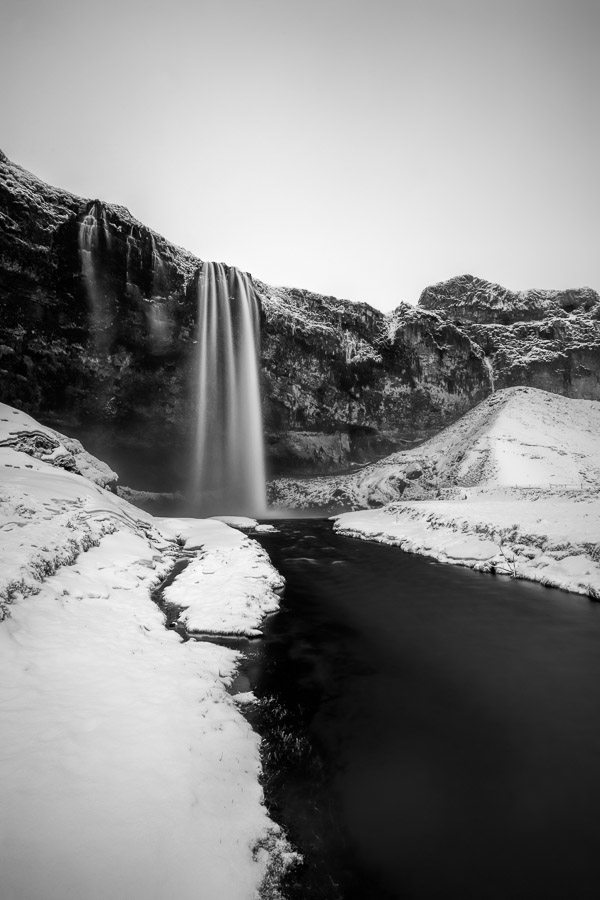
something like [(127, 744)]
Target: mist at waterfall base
[(228, 471)]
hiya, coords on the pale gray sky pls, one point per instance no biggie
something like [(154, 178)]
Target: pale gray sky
[(363, 148)]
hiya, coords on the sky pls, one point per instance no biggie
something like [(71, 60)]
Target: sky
[(364, 148)]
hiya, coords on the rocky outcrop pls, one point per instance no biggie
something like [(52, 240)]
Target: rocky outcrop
[(470, 299), (544, 339), (98, 327), (344, 382), (98, 330)]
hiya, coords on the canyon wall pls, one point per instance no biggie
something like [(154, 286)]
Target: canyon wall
[(98, 330)]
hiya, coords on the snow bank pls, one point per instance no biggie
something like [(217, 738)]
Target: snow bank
[(24, 434), (126, 769), (553, 540), (243, 523), (518, 482), (518, 437), (228, 565)]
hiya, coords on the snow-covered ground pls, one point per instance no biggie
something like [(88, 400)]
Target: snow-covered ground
[(518, 437), (512, 487), (554, 540), (517, 488), (126, 768), (230, 565)]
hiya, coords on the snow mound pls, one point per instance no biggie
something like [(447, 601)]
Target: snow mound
[(516, 438), (243, 523), (126, 768), (20, 432), (552, 540), (227, 565)]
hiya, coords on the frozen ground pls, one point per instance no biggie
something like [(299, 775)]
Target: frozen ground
[(553, 540), (518, 487), (230, 565), (126, 769), (518, 437)]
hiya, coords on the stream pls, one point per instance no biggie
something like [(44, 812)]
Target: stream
[(429, 731)]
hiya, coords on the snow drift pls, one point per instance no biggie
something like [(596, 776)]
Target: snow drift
[(126, 769), (516, 484)]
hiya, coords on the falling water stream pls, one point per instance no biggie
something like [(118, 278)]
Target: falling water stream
[(229, 467), (94, 239)]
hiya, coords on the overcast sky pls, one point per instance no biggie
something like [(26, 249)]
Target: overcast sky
[(363, 148)]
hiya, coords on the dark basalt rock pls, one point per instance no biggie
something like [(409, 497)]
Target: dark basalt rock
[(342, 382), (469, 299), (543, 339)]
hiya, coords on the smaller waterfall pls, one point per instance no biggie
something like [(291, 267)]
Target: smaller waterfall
[(229, 468), (159, 321), (159, 280), (490, 370), (93, 233)]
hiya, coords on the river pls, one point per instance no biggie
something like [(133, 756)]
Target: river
[(430, 732)]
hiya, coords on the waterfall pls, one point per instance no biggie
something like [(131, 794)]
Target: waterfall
[(93, 233), (490, 370), (229, 467)]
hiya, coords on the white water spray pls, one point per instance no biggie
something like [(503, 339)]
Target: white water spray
[(229, 469), (89, 245), (490, 370)]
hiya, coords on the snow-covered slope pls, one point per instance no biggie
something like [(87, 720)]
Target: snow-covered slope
[(516, 484), (126, 769), (516, 438), (22, 433)]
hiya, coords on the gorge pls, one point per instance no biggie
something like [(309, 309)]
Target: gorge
[(342, 383), (419, 722)]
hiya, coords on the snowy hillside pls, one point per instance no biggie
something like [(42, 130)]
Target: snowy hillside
[(516, 484), (516, 438), (126, 769), (20, 432)]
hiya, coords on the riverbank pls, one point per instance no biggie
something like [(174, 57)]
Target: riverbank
[(553, 539), (126, 768), (434, 728)]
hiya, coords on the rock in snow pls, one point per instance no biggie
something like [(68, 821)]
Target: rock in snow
[(126, 769)]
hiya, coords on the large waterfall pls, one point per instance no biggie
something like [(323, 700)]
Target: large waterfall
[(229, 467)]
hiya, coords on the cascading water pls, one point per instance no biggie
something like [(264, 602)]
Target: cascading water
[(490, 370), (229, 467), (93, 233)]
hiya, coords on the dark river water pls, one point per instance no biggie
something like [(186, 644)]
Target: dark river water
[(430, 732)]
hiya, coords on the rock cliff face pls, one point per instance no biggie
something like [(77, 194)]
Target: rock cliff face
[(98, 327), (543, 339), (345, 382)]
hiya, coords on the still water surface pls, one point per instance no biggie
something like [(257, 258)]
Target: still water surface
[(436, 731)]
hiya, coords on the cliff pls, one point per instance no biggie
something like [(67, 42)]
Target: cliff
[(544, 339), (98, 325)]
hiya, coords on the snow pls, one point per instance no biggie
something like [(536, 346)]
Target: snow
[(126, 768), (555, 541), (228, 564), (518, 437), (244, 523), (521, 474), (24, 434)]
